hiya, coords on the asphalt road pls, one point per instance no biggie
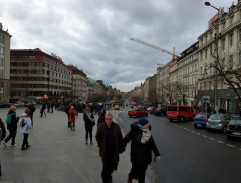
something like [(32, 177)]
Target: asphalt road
[(189, 154)]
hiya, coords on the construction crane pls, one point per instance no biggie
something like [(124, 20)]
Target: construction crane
[(156, 47)]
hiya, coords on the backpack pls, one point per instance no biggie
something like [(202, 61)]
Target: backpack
[(72, 115), (22, 122), (8, 119)]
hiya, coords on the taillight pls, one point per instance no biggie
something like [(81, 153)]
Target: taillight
[(206, 118), (220, 122), (228, 127)]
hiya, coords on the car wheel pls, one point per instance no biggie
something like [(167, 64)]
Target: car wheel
[(130, 116), (229, 137), (147, 115), (224, 129), (195, 125), (170, 120), (182, 119)]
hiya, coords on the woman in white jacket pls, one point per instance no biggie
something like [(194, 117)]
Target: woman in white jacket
[(25, 129)]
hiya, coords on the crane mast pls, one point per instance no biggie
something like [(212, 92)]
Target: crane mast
[(156, 47)]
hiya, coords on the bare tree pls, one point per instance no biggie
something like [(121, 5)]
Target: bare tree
[(182, 91)]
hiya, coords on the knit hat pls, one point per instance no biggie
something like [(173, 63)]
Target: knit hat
[(143, 121)]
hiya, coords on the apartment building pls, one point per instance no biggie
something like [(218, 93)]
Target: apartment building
[(4, 64), (187, 76), (221, 45), (79, 84), (35, 74)]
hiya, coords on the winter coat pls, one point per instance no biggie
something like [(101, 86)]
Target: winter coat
[(2, 126), (87, 121), (118, 142), (14, 120), (32, 109), (72, 111), (101, 118), (140, 153), (26, 128)]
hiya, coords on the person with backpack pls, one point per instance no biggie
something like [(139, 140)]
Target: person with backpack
[(32, 110), (72, 114), (25, 127), (42, 110), (11, 121)]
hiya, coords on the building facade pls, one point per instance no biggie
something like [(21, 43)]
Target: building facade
[(220, 48), (35, 74), (4, 64)]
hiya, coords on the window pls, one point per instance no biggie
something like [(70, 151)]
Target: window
[(224, 25), (239, 34), (1, 73), (2, 39), (1, 50), (211, 50), (1, 61), (232, 19), (239, 57), (223, 63), (231, 61), (206, 53), (231, 39)]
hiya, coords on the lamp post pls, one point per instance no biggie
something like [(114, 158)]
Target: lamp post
[(217, 35)]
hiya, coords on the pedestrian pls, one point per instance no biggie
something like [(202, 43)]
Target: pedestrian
[(11, 121), (101, 118), (25, 128), (240, 112), (48, 107), (52, 107), (110, 142), (32, 110), (42, 110), (142, 145), (2, 131), (72, 114), (67, 108), (89, 123)]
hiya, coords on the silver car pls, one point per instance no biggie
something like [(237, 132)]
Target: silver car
[(218, 122)]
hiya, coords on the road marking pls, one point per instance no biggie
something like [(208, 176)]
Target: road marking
[(211, 138), (205, 136), (198, 134), (230, 145), (240, 149), (221, 142)]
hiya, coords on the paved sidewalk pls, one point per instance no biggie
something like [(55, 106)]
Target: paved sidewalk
[(56, 154)]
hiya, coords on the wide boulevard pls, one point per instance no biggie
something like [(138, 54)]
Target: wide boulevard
[(189, 154)]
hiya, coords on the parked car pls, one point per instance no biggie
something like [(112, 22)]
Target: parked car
[(180, 113), (151, 109), (4, 104), (160, 112), (19, 104), (117, 107), (218, 122), (201, 120), (137, 112), (234, 128)]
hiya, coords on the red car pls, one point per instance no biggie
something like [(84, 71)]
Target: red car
[(137, 112)]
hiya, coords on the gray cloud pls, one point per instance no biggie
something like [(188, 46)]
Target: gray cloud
[(95, 35)]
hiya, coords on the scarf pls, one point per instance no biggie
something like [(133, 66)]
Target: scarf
[(146, 134), (88, 114)]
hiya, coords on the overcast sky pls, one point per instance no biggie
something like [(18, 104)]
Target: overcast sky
[(95, 34)]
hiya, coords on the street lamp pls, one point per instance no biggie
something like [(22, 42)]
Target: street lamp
[(217, 35)]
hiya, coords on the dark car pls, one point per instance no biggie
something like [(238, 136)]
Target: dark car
[(160, 112), (4, 104), (201, 120), (234, 128)]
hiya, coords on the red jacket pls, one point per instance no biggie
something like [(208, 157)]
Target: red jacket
[(72, 111)]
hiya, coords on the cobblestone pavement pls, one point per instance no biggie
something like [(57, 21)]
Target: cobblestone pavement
[(56, 154)]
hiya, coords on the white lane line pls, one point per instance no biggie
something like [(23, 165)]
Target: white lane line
[(240, 149), (230, 145), (211, 138), (221, 142), (198, 133), (205, 136)]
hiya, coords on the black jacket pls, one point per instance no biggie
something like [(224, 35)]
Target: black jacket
[(32, 109), (101, 118), (2, 126), (88, 123), (140, 153), (14, 121)]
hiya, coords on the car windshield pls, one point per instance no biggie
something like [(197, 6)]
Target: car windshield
[(201, 116), (216, 117), (132, 109), (235, 122)]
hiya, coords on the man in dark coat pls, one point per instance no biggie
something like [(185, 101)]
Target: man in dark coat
[(32, 110), (12, 127), (2, 130), (110, 142), (67, 108), (142, 146)]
